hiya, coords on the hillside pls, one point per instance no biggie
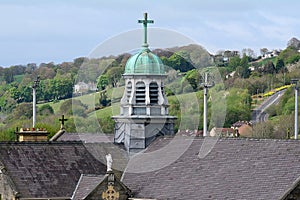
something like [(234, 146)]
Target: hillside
[(187, 65)]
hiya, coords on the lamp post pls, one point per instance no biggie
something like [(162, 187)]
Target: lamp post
[(34, 86), (206, 85), (295, 81)]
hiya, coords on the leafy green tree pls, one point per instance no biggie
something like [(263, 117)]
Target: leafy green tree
[(193, 77), (8, 75), (103, 98), (269, 68), (114, 75), (26, 93), (7, 104), (293, 59), (280, 67), (238, 106), (177, 62), (233, 63), (22, 111), (245, 71), (288, 55), (46, 110), (102, 82)]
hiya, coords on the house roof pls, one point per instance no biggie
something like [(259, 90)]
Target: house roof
[(240, 123), (232, 169), (45, 169), (87, 137), (86, 185)]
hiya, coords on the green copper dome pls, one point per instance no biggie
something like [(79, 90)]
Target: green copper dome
[(144, 62)]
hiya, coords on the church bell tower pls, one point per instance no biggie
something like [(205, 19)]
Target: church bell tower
[(144, 106)]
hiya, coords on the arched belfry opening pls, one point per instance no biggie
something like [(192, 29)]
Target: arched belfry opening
[(144, 106)]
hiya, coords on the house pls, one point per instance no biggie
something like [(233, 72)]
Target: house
[(244, 128), (271, 54), (222, 132), (82, 87)]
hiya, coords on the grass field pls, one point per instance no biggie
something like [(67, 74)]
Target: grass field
[(90, 99)]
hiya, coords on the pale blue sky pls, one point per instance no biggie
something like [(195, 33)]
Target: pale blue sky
[(61, 30)]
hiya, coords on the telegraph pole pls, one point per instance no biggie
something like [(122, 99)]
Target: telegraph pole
[(295, 81), (206, 85), (34, 86)]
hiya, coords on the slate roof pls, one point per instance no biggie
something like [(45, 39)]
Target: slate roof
[(224, 168), (45, 169), (86, 185), (87, 137)]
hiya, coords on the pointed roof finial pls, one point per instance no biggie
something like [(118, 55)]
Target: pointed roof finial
[(145, 21)]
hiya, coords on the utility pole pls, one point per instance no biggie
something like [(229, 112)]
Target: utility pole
[(34, 86), (205, 85), (295, 81)]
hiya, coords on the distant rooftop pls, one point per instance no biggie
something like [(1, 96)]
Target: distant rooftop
[(232, 169)]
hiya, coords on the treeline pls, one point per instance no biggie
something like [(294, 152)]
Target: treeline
[(242, 75)]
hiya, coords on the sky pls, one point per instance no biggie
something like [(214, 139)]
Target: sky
[(37, 31)]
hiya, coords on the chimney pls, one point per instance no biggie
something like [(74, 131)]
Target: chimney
[(32, 135)]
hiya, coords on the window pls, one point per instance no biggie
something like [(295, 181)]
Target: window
[(129, 89), (153, 90), (140, 94), (162, 89)]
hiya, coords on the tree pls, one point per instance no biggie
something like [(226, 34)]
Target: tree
[(177, 62), (238, 103), (243, 70), (269, 68), (249, 52), (193, 77), (46, 110), (103, 98), (294, 42), (263, 130), (114, 75), (263, 51), (8, 75), (102, 82), (279, 67), (233, 63), (22, 111)]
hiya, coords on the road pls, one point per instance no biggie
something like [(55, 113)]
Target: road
[(259, 114)]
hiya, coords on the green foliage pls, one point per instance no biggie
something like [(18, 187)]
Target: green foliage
[(46, 110), (193, 77), (289, 106), (286, 105), (242, 70), (22, 111), (238, 106), (293, 59), (102, 82), (289, 55), (114, 75), (269, 68), (279, 66), (263, 130), (73, 107), (177, 62), (233, 63), (103, 98), (7, 134)]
